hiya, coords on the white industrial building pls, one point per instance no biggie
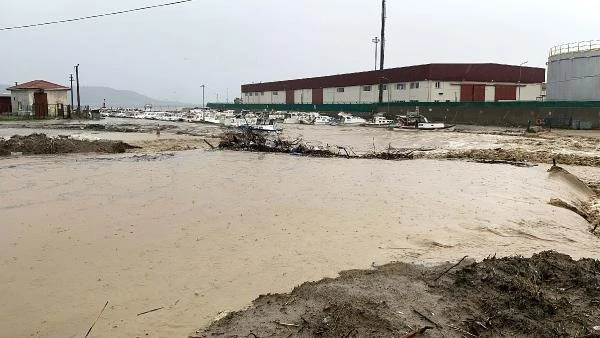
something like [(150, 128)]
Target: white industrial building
[(423, 83), (574, 72)]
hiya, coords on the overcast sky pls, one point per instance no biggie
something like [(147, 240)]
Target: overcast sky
[(168, 52)]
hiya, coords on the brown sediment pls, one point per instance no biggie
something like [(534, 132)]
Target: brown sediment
[(517, 155), (42, 144), (547, 295), (589, 208)]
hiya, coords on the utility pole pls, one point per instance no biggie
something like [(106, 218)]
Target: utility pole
[(519, 83), (78, 97), (227, 97), (71, 108), (203, 86), (376, 41), (381, 58)]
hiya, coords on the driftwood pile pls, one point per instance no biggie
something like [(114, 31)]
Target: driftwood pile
[(259, 141)]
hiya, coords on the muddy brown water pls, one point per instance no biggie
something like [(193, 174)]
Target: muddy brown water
[(201, 232)]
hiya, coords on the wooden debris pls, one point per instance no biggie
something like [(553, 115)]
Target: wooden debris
[(450, 268), (143, 313), (426, 318), (417, 331), (210, 145), (461, 330), (94, 323), (286, 324)]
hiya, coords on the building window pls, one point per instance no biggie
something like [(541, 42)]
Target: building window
[(438, 85), (340, 90), (262, 93), (249, 94), (383, 87), (401, 86), (367, 88), (414, 85), (275, 93)]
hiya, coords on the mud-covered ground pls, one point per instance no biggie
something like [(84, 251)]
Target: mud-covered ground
[(547, 295), (42, 144)]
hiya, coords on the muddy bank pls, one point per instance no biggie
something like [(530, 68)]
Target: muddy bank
[(547, 295), (518, 155), (42, 144), (530, 150)]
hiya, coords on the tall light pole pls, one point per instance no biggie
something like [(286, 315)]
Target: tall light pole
[(203, 86), (382, 54), (69, 112), (520, 72), (376, 42)]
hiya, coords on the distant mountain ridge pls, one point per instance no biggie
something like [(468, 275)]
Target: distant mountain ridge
[(95, 96)]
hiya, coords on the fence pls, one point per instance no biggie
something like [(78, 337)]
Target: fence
[(573, 47), (35, 111)]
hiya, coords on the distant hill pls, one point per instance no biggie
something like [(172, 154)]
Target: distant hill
[(94, 96)]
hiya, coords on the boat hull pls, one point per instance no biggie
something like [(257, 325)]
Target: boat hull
[(425, 126)]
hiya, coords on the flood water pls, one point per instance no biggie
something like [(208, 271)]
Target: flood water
[(201, 232)]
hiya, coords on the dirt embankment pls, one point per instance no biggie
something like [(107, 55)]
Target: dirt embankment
[(42, 144), (547, 295)]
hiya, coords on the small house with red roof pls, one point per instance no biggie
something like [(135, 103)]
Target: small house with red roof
[(40, 98)]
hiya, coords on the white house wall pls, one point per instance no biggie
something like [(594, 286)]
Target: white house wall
[(22, 100), (57, 97)]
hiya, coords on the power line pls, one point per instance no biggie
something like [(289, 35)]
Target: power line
[(95, 16)]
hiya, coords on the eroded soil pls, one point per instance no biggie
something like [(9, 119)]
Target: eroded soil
[(547, 295), (42, 144)]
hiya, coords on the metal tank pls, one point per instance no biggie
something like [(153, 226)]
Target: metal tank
[(574, 72)]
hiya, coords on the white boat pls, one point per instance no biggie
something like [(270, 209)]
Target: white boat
[(308, 118), (292, 118), (416, 121), (322, 119), (379, 121), (349, 119), (262, 122)]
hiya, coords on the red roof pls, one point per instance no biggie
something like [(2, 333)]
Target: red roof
[(460, 72), (38, 84)]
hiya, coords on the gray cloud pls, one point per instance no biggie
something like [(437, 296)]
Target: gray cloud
[(168, 53)]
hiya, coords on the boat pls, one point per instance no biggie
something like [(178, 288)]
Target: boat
[(379, 121), (292, 118), (322, 119), (261, 122), (349, 119), (415, 121), (308, 118)]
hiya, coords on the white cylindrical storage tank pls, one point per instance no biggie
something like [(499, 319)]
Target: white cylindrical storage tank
[(574, 72)]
